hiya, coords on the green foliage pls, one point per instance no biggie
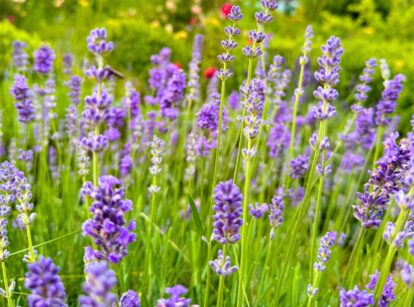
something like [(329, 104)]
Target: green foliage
[(8, 34), (136, 41)]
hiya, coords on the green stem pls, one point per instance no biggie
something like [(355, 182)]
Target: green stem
[(221, 282), (354, 252), (216, 158), (386, 267), (295, 111), (30, 243), (244, 227), (6, 285)]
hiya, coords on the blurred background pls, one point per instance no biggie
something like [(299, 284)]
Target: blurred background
[(139, 28)]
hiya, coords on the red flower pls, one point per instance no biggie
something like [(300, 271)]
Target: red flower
[(210, 72), (178, 65), (226, 8)]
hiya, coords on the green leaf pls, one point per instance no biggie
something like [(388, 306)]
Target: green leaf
[(196, 216)]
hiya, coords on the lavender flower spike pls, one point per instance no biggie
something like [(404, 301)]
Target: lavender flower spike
[(324, 252), (222, 267), (175, 298), (356, 297), (23, 96), (328, 76), (227, 207), (45, 284), (130, 299), (43, 60), (107, 227), (100, 280), (20, 56)]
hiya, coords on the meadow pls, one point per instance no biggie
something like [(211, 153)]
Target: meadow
[(244, 178)]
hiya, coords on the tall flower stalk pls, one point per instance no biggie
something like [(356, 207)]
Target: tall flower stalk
[(225, 58)]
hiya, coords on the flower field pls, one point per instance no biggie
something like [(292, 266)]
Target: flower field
[(244, 178)]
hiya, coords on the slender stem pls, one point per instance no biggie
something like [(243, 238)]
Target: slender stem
[(386, 267), (221, 281), (216, 158), (6, 285), (315, 284), (295, 111), (354, 252), (378, 145), (29, 241), (243, 241)]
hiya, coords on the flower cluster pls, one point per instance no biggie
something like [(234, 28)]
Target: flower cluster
[(20, 56), (227, 208), (388, 100), (43, 60), (176, 297), (100, 280), (193, 85), (328, 76), (107, 227), (157, 146), (229, 44), (324, 252), (45, 285), (223, 266), (130, 299), (23, 96), (385, 180)]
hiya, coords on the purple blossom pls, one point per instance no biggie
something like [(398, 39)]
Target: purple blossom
[(19, 55), (67, 63), (193, 86), (43, 60), (362, 89), (388, 100), (173, 95), (258, 210), (97, 42), (75, 89), (130, 299), (406, 272), (107, 227), (328, 76), (100, 280), (387, 295), (276, 208), (23, 96), (254, 104), (227, 207), (234, 100), (176, 297), (222, 266), (43, 281), (324, 251), (299, 166), (356, 298)]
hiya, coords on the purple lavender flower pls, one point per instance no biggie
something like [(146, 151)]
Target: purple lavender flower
[(175, 298), (356, 297), (234, 100), (43, 60), (100, 280), (365, 78), (222, 267), (67, 63), (324, 252), (45, 285), (208, 116), (307, 47), (276, 208), (130, 299), (173, 94), (387, 295), (258, 210), (23, 96), (299, 166), (75, 89), (97, 42), (254, 104), (108, 227), (328, 76), (193, 85), (406, 272), (20, 56), (388, 100), (227, 218)]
